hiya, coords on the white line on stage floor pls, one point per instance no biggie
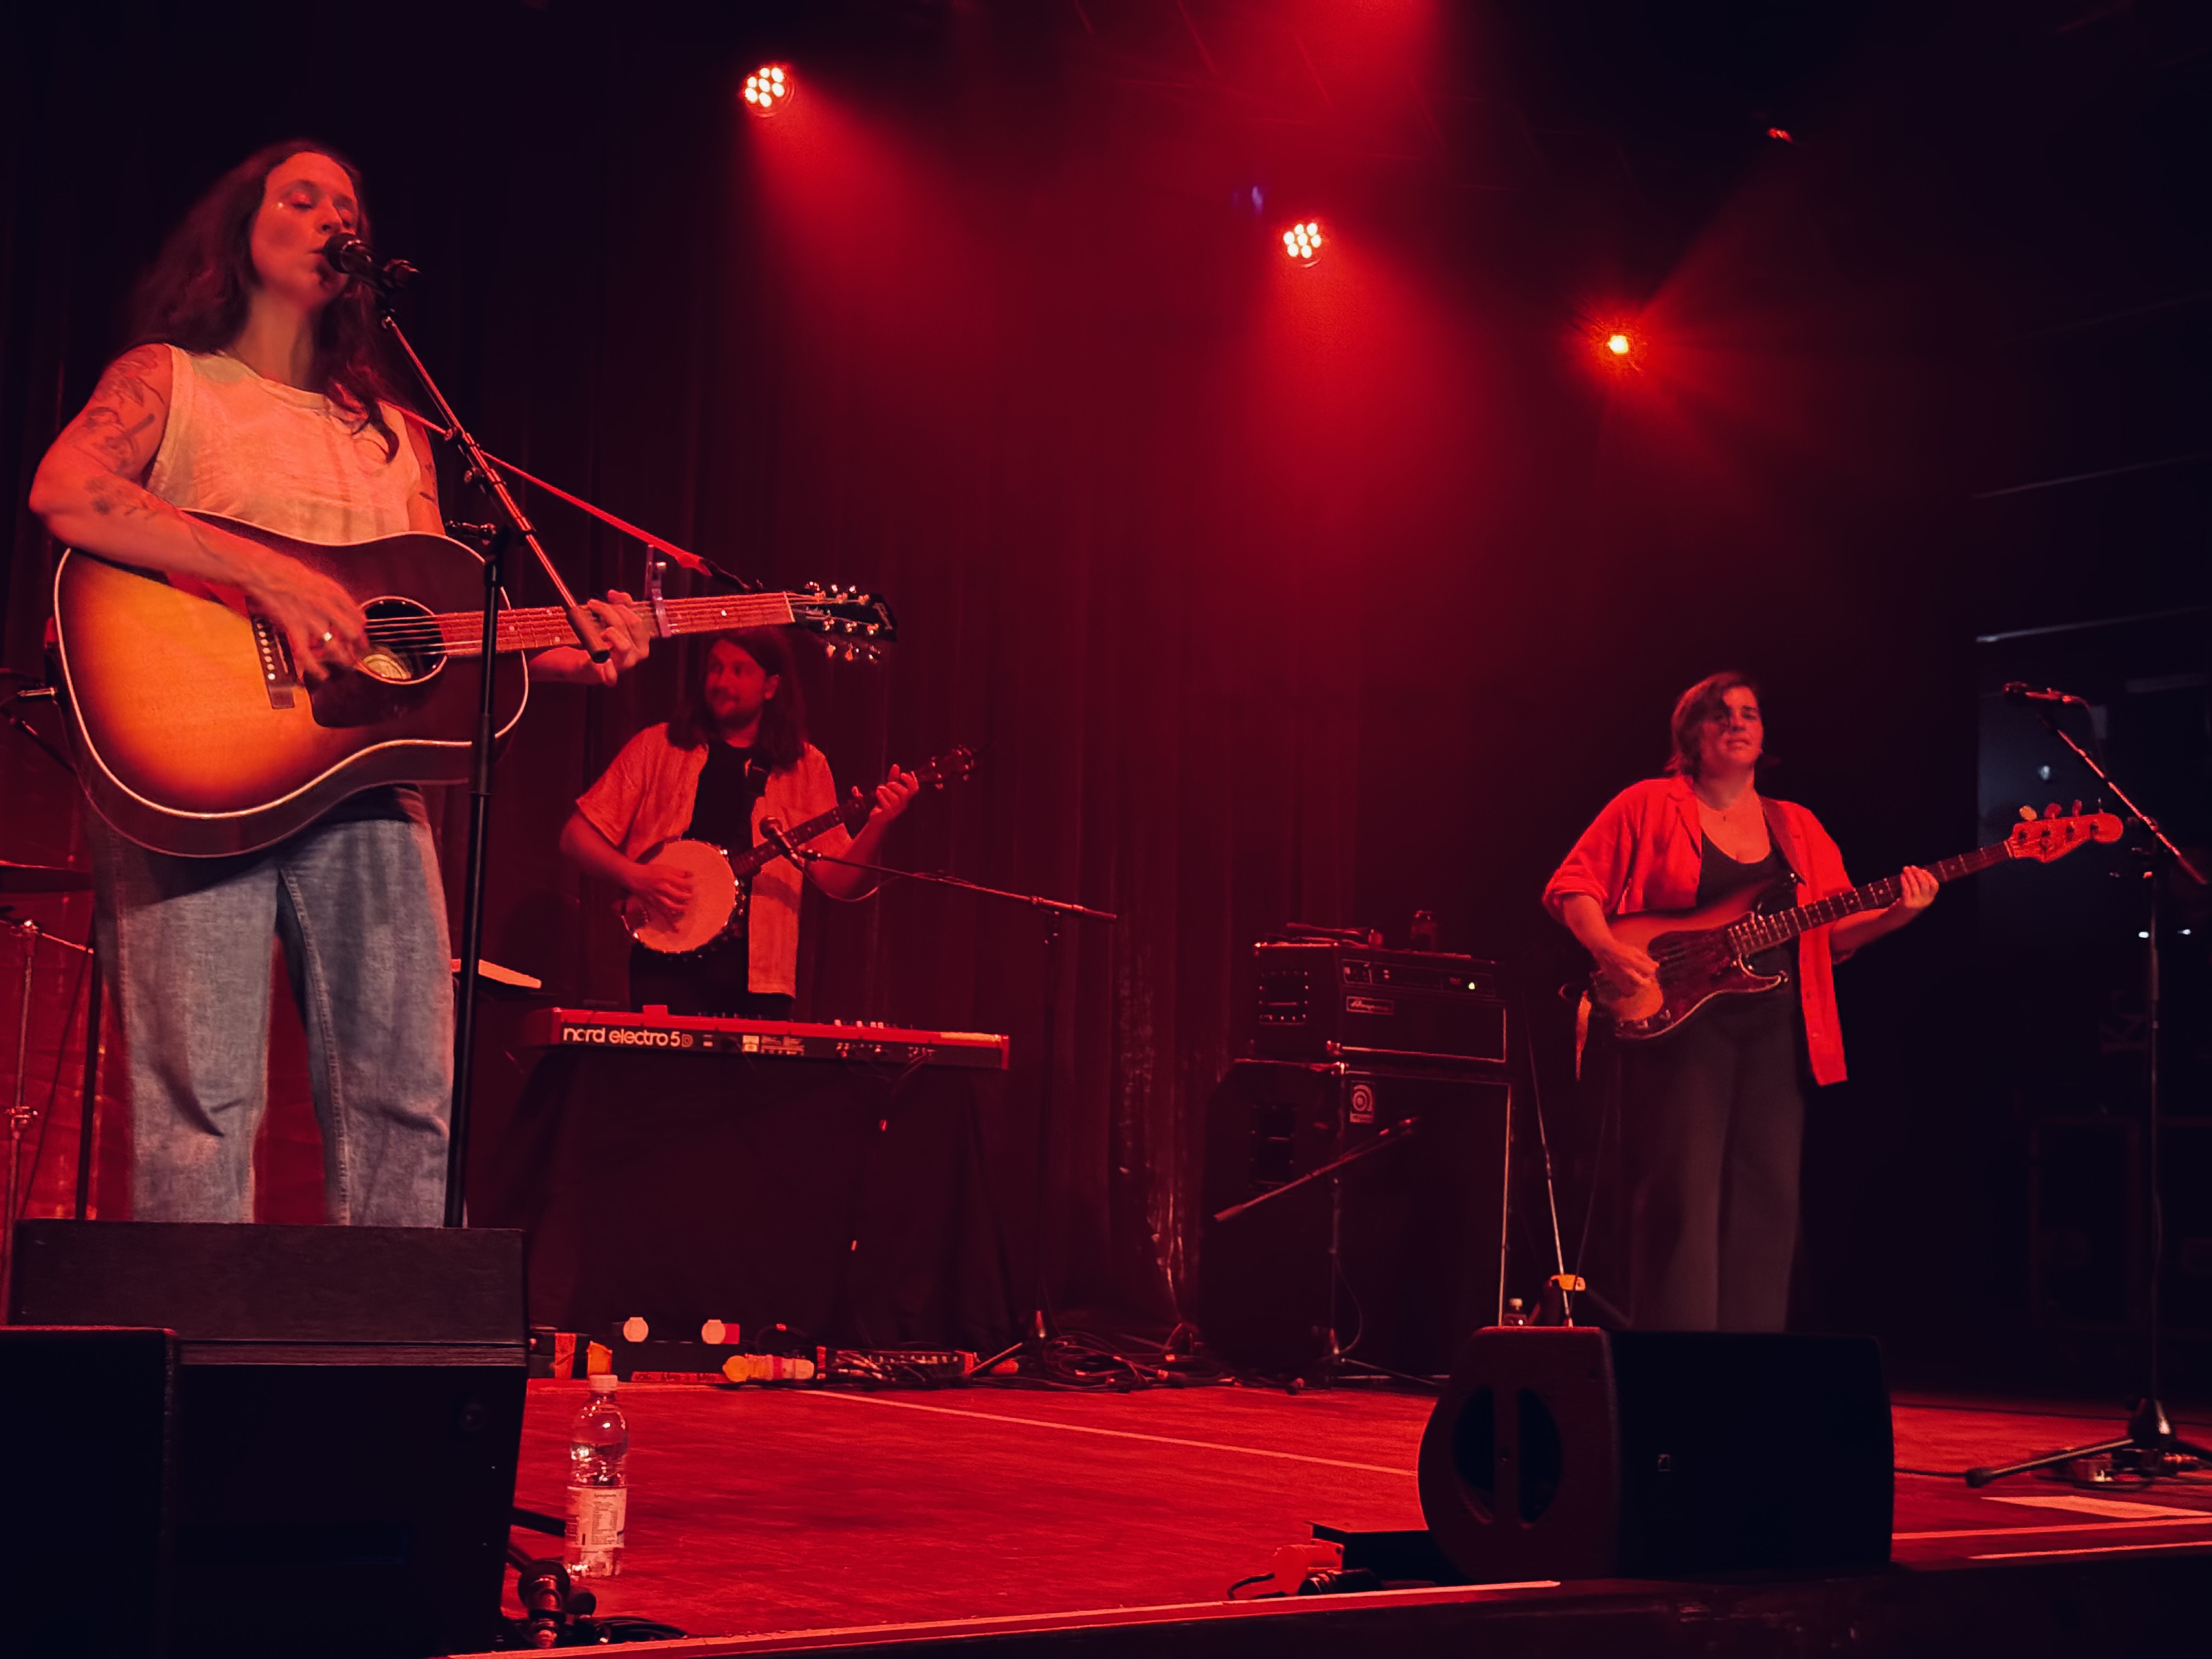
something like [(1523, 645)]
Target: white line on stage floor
[(1112, 1434)]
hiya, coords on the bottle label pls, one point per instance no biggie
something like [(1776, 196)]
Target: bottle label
[(596, 1516)]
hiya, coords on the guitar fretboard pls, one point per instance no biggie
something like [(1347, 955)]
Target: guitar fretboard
[(1763, 932), (539, 628)]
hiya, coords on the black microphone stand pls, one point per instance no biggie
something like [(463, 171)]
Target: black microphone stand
[(1054, 913), (2150, 1439), (385, 282)]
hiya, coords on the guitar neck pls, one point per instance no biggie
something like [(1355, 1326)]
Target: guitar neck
[(797, 834), (539, 628), (1761, 932)]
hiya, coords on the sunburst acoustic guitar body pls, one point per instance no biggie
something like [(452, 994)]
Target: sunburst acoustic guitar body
[(195, 734)]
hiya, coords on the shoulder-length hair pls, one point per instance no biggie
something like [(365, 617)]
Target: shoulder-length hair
[(783, 738), (194, 293), (1705, 701)]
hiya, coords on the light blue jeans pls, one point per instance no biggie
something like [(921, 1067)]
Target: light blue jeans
[(358, 905)]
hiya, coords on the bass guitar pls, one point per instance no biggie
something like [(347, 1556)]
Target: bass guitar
[(1706, 953), (196, 734), (721, 883)]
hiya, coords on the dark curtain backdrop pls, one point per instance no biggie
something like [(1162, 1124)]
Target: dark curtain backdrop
[(1267, 593)]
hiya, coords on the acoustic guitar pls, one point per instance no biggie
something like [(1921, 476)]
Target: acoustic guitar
[(721, 884), (1706, 953), (195, 734)]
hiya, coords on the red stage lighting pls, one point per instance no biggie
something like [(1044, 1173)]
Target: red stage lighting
[(768, 88), (1302, 242), (1618, 345)]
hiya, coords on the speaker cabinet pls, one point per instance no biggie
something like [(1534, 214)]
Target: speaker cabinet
[(85, 1573), (1420, 1224), (342, 1421), (1579, 1454)]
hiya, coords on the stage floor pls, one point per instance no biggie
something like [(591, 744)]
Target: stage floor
[(829, 1517)]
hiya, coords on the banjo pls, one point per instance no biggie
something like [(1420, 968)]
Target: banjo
[(721, 882)]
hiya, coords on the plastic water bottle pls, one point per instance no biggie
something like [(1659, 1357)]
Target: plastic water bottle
[(599, 1502)]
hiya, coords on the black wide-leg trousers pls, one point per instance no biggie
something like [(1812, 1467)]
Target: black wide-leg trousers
[(1712, 1122)]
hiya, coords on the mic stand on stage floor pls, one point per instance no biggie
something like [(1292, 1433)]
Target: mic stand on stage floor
[(1038, 1330), (1335, 1358), (2150, 1438), (482, 750)]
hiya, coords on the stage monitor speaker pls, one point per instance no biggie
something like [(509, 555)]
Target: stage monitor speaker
[(347, 1417), (1422, 1223), (1578, 1454), (84, 1573)]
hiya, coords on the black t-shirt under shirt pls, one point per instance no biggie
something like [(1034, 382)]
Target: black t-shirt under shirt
[(1719, 875), (715, 980)]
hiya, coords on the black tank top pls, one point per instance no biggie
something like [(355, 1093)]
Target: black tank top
[(1719, 876)]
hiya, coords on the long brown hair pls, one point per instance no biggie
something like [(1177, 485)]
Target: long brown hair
[(194, 293), (782, 737)]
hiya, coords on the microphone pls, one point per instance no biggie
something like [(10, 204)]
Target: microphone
[(2021, 691), (349, 255), (772, 834)]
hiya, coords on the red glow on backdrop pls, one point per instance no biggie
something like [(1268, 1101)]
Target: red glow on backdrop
[(1302, 242), (768, 88)]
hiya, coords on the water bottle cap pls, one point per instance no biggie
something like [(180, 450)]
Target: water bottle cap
[(603, 1382)]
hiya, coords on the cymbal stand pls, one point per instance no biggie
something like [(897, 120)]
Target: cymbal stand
[(1038, 1329), (2150, 1439), (19, 1114)]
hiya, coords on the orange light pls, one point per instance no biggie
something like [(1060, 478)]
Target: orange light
[(1618, 344), (1302, 242), (768, 88)]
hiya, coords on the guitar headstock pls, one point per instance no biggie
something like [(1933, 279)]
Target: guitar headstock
[(856, 626), (953, 766), (2054, 834)]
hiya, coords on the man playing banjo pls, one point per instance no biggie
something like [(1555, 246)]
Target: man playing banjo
[(735, 757)]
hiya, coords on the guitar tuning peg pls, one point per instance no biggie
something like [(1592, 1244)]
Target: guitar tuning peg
[(2028, 815), (851, 655), (830, 650), (2077, 811), (2051, 810)]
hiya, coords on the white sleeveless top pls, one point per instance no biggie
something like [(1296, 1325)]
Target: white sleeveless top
[(277, 456)]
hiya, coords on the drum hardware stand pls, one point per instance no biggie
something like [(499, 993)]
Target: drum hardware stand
[(20, 1113), (385, 282), (1039, 1328), (88, 1097), (1336, 1360), (2150, 1439)]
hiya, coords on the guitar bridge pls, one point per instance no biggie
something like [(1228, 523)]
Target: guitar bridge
[(278, 673)]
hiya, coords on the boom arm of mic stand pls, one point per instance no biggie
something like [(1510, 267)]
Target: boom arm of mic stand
[(1404, 1129), (484, 471), (938, 878), (2181, 859)]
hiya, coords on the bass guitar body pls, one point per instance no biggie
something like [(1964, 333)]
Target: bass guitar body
[(195, 734), (1705, 953), (1698, 961)]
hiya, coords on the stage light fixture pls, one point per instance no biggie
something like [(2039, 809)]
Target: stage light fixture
[(1302, 242), (768, 88), (1618, 345)]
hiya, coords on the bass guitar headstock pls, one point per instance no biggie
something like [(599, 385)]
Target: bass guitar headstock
[(855, 626), (2054, 834)]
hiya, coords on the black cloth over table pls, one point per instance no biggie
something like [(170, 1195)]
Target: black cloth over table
[(848, 1202)]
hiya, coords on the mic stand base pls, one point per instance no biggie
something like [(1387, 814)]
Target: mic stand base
[(1039, 1329)]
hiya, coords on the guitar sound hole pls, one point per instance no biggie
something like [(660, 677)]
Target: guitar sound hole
[(404, 643)]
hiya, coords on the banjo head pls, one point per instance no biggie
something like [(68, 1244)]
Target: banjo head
[(705, 918)]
